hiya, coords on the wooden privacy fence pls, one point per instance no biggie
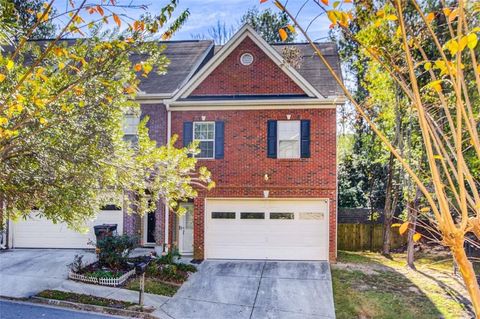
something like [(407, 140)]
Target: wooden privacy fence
[(357, 237)]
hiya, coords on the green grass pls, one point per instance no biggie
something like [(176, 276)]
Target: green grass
[(153, 286), (373, 286), (84, 299)]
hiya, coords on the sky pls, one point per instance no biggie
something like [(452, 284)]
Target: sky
[(206, 13)]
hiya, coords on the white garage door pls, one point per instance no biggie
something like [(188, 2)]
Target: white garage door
[(38, 232), (266, 229)]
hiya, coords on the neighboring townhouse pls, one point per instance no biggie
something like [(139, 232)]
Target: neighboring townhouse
[(267, 132)]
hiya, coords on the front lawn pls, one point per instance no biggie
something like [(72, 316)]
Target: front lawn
[(153, 286), (164, 275), (369, 285), (84, 299)]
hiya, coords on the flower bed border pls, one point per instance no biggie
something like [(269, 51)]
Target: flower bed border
[(102, 281)]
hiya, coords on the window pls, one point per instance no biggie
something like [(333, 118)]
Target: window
[(288, 139), (204, 133), (222, 215), (312, 216), (246, 59), (252, 215), (130, 128), (110, 207), (281, 215)]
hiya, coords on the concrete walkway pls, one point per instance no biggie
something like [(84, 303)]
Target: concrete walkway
[(254, 289)]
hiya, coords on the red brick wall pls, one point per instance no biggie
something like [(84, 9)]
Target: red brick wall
[(263, 76), (157, 128), (241, 172)]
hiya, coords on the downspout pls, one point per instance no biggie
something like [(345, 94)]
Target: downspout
[(167, 211)]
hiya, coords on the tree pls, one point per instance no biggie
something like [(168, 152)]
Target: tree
[(62, 106), (26, 18), (220, 33), (446, 110), (264, 22), (267, 23)]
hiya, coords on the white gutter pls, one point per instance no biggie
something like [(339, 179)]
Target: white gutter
[(167, 210), (331, 102)]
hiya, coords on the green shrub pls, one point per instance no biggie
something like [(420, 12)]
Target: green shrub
[(169, 258), (186, 267), (102, 274), (113, 251)]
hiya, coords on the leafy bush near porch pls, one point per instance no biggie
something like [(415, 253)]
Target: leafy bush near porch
[(113, 251)]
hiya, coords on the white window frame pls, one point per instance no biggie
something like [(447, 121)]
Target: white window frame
[(299, 140), (131, 116), (205, 140)]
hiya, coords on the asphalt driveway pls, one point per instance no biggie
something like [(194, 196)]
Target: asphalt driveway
[(25, 272), (255, 289)]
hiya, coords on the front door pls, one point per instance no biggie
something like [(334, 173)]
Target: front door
[(185, 230), (151, 228)]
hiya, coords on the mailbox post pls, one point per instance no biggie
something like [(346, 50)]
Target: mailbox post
[(140, 269)]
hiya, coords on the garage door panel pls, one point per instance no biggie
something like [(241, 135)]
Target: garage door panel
[(305, 237), (36, 232)]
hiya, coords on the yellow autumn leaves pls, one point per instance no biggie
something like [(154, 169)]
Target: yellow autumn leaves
[(454, 46)]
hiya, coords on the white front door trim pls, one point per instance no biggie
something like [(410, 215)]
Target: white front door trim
[(185, 233)]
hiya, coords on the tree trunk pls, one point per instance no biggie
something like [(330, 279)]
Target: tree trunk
[(412, 219), (388, 211), (468, 274)]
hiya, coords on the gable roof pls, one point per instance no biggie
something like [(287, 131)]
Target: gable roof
[(186, 57), (312, 68), (223, 53)]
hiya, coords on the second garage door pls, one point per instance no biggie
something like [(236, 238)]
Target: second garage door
[(38, 232), (266, 229)]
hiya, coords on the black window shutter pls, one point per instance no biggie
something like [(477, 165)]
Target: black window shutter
[(305, 138), (187, 133), (272, 139), (219, 139)]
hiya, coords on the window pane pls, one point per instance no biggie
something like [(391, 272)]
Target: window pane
[(206, 149), (110, 207), (133, 139), (252, 215), (221, 215), (316, 216), (204, 131), (288, 130), (130, 124), (281, 215), (288, 149)]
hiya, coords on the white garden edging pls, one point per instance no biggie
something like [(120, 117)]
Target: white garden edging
[(102, 281)]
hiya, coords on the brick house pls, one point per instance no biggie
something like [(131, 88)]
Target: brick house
[(267, 132)]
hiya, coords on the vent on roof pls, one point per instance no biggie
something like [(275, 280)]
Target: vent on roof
[(246, 59)]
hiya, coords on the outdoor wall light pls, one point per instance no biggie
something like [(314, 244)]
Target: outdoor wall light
[(266, 177), (204, 117), (266, 193), (289, 116)]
